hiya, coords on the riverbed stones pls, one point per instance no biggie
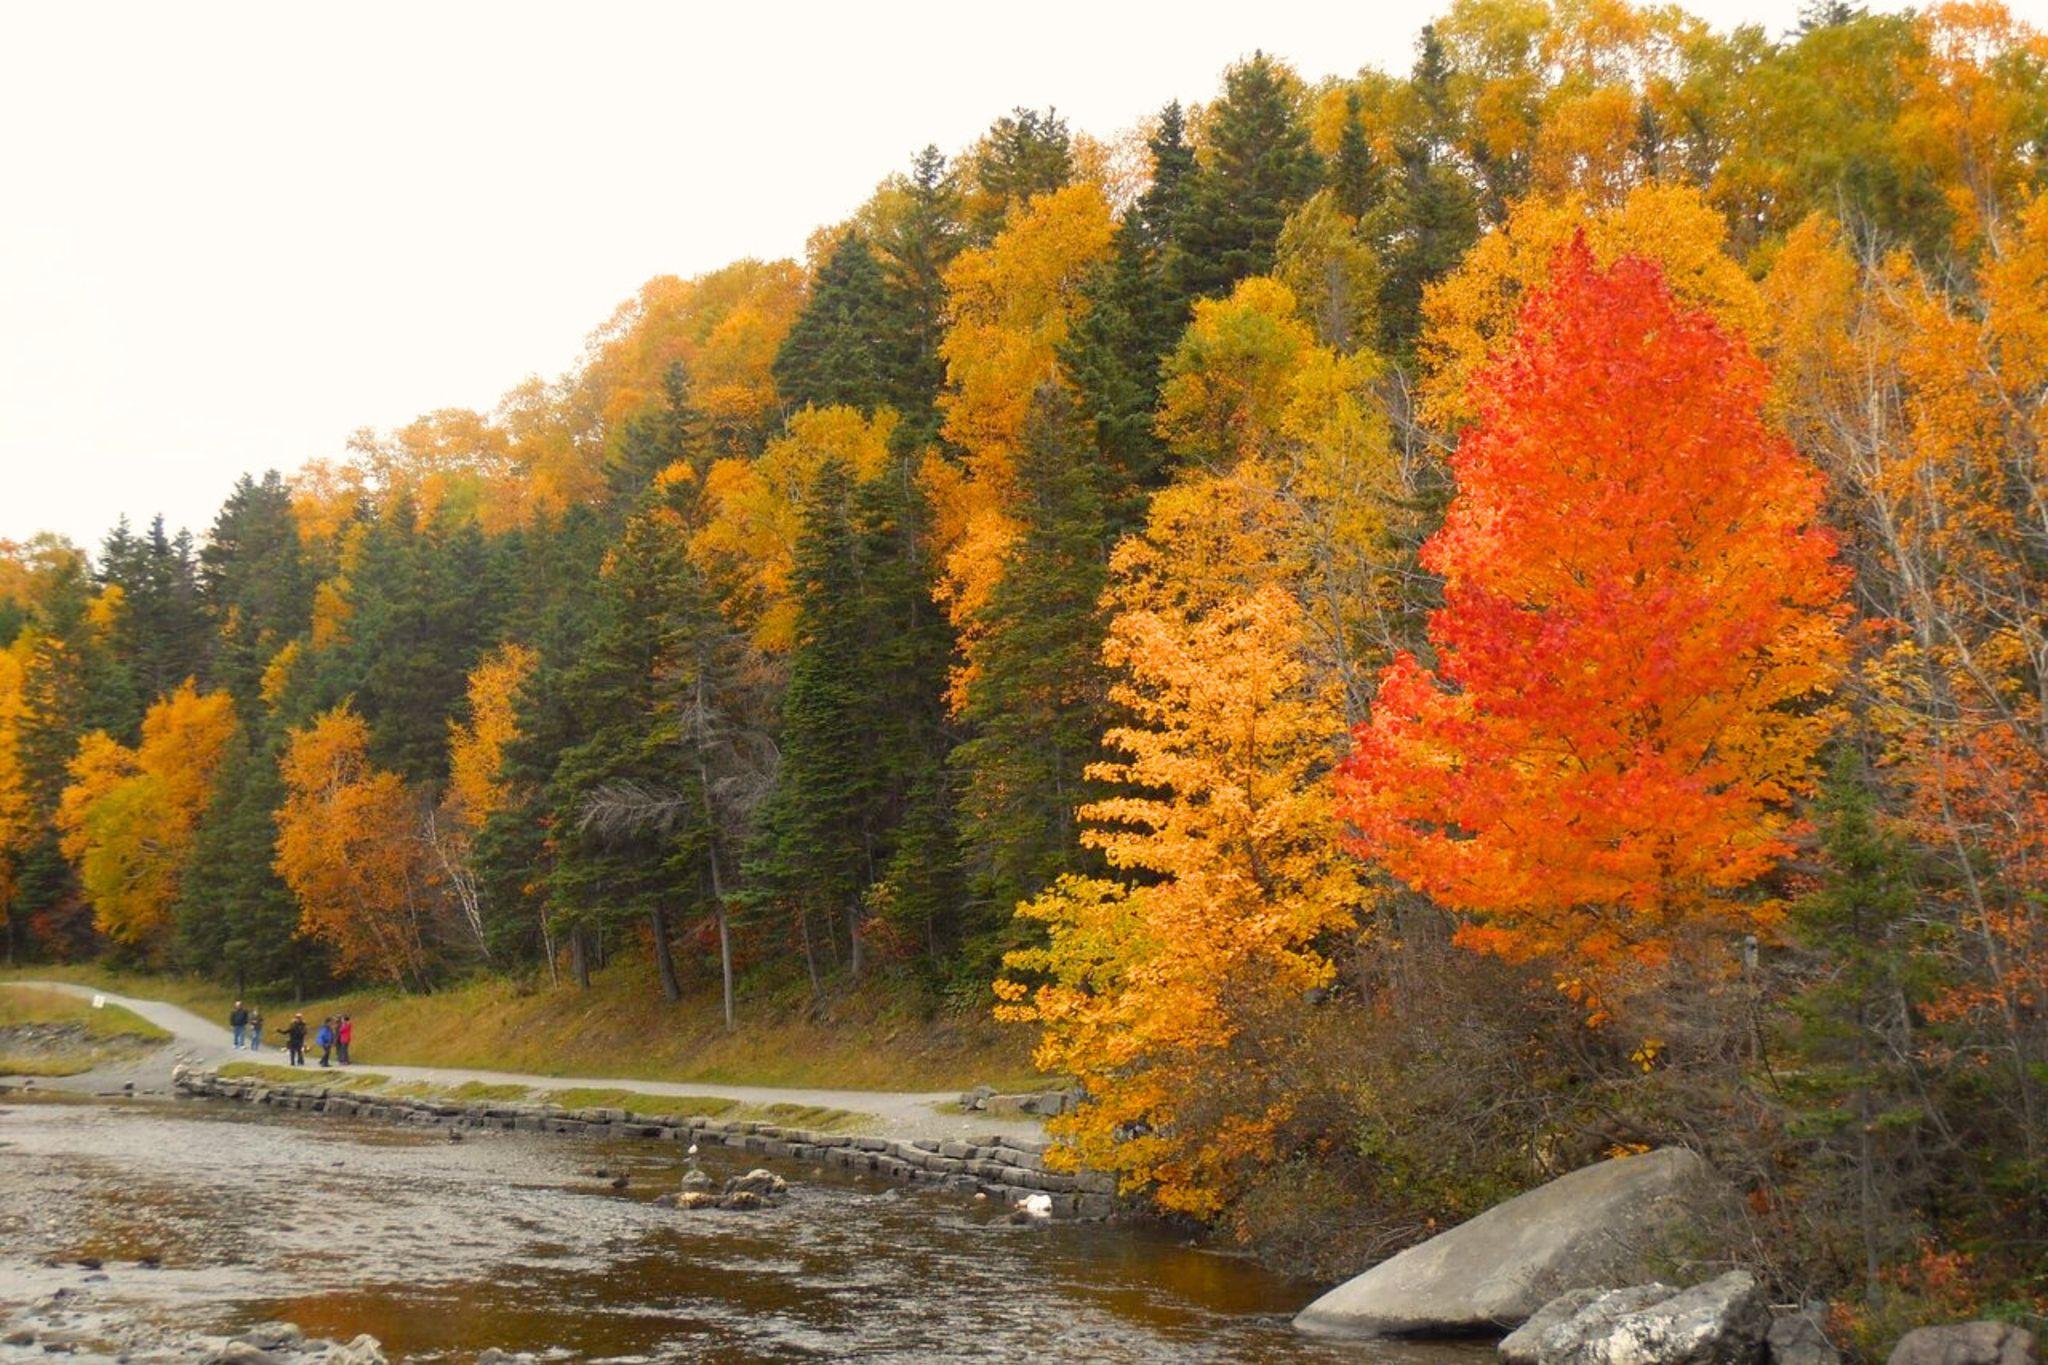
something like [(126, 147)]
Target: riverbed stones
[(1005, 1165), (1720, 1322), (1603, 1224), (1967, 1343)]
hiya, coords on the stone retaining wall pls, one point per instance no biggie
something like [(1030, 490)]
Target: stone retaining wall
[(1005, 1168)]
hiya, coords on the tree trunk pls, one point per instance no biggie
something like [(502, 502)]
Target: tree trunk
[(664, 957), (856, 956), (579, 957), (725, 965)]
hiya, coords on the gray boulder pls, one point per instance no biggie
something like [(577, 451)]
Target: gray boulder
[(1966, 1343), (1604, 1224), (757, 1182), (1721, 1322), (1797, 1338)]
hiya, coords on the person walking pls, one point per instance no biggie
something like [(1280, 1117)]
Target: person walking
[(325, 1037), (256, 1028), (295, 1040), (238, 1020), (344, 1034)]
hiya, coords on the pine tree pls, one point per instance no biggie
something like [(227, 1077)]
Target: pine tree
[(1259, 168)]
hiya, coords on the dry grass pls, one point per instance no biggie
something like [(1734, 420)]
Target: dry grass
[(93, 1037), (876, 1040)]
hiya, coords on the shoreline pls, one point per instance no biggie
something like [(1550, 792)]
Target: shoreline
[(997, 1166)]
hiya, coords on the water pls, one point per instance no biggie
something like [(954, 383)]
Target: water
[(441, 1249)]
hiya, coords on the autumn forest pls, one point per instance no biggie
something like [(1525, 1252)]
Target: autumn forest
[(1415, 629)]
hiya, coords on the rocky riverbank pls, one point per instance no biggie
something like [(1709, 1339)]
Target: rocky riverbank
[(1006, 1167)]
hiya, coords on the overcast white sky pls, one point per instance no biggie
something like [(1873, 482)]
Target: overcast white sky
[(231, 234)]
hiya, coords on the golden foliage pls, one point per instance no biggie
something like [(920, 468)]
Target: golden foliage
[(476, 748), (1223, 833), (128, 816), (1011, 305), (348, 847), (1470, 314), (755, 512)]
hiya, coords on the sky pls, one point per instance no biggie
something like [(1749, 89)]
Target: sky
[(232, 234)]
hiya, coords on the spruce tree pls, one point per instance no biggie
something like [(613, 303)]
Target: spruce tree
[(1039, 706), (1259, 169), (255, 583), (841, 347)]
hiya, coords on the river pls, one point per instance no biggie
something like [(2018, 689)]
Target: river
[(210, 1218)]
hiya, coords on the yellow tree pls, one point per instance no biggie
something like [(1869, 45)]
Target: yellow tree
[(1011, 306), (348, 846), (128, 817), (755, 512), (1469, 315), (17, 818), (476, 751), (1249, 385), (1221, 839)]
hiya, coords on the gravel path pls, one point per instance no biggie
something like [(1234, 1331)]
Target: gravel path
[(894, 1114)]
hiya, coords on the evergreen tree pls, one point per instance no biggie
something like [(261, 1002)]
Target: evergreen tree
[(160, 636), (1355, 174), (1259, 169), (919, 243), (255, 583), (840, 347), (1024, 153), (1039, 706), (236, 920), (424, 612)]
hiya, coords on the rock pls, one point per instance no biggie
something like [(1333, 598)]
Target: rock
[(364, 1350), (696, 1199), (240, 1352), (742, 1199), (21, 1336), (757, 1182), (493, 1356), (694, 1179), (1721, 1322), (1966, 1343), (1604, 1223), (1521, 1346), (1796, 1338), (977, 1097)]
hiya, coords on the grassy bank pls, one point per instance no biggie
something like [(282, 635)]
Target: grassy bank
[(881, 1039), (817, 1118), (49, 1033)]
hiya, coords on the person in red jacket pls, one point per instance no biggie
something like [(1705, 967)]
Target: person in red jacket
[(344, 1034)]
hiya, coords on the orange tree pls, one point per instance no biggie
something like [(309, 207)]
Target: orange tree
[(1640, 615)]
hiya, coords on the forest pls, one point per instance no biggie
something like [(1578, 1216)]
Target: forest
[(1419, 628)]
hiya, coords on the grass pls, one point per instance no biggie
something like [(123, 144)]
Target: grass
[(884, 1038), (110, 1033), (817, 1118), (331, 1077)]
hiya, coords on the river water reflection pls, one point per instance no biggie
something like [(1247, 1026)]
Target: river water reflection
[(441, 1249)]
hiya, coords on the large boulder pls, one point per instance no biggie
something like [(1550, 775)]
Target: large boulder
[(1721, 1322), (1611, 1223), (1966, 1343)]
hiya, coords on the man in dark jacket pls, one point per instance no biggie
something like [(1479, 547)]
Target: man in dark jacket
[(238, 1019), (295, 1040)]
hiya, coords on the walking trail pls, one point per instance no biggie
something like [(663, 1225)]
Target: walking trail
[(886, 1113)]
